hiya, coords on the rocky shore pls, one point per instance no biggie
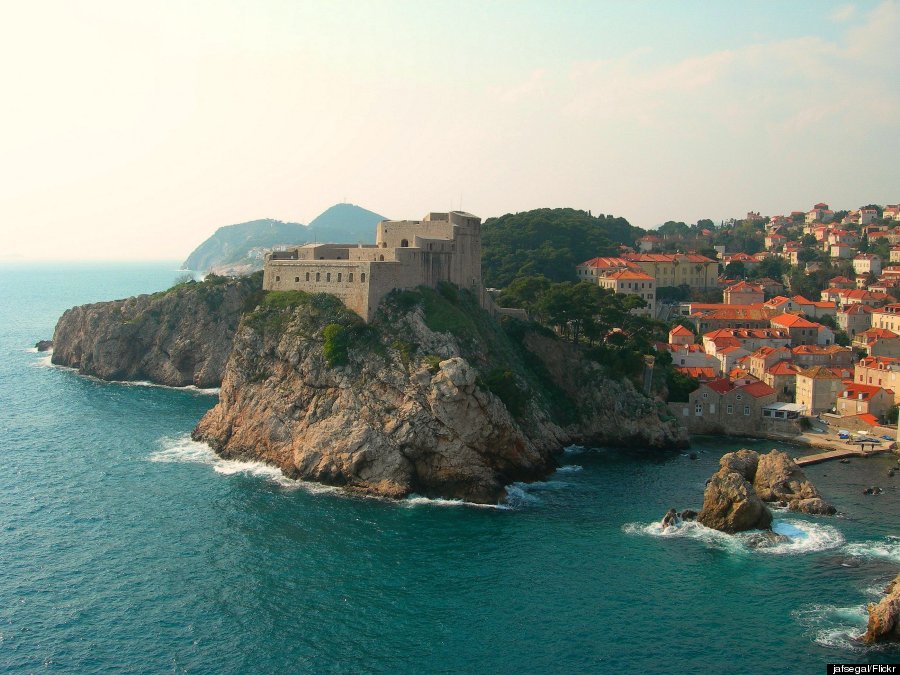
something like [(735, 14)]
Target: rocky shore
[(433, 398), (177, 338), (884, 616)]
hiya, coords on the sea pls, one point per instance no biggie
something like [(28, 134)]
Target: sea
[(127, 547)]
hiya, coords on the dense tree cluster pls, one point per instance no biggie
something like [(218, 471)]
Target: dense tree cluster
[(548, 242)]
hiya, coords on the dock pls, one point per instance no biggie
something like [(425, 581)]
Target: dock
[(840, 453)]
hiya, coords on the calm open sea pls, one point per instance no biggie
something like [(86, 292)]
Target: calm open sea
[(124, 546)]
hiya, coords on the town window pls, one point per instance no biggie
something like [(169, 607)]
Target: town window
[(307, 276), (705, 395), (698, 409), (729, 409), (362, 278), (339, 277), (318, 276), (746, 409), (328, 276), (350, 276)]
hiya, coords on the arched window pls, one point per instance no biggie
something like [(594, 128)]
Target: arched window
[(307, 276), (350, 276), (328, 277), (339, 277), (318, 276), (362, 278), (404, 243), (321, 257), (381, 257), (296, 279)]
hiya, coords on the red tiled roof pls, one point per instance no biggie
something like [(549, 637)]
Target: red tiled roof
[(680, 330), (869, 419), (668, 257), (853, 390), (783, 368), (758, 389), (701, 373), (720, 386), (629, 274), (794, 321)]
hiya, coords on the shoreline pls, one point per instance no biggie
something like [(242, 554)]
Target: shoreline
[(833, 447)]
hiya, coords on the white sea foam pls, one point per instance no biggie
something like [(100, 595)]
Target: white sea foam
[(417, 500), (182, 449), (45, 362), (804, 537), (886, 549), (838, 627), (569, 468), (574, 449)]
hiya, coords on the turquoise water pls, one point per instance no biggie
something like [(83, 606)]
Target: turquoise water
[(124, 546)]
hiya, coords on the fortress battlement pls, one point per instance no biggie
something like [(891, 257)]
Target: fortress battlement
[(406, 254)]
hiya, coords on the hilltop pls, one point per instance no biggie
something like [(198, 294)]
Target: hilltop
[(549, 242), (239, 248)]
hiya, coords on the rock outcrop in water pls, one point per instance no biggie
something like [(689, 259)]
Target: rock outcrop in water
[(779, 479), (735, 494), (884, 616), (729, 502), (178, 337), (433, 398)]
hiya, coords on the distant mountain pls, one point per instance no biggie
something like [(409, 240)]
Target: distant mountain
[(345, 223), (239, 249)]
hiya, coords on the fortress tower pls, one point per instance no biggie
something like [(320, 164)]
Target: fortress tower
[(406, 254)]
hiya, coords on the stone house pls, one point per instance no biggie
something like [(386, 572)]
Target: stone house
[(680, 335), (856, 399), (743, 293), (802, 331), (764, 358), (817, 389), (782, 377), (676, 269), (591, 270), (867, 263), (887, 317), (750, 339), (880, 371), (632, 282), (854, 319), (721, 407), (833, 356)]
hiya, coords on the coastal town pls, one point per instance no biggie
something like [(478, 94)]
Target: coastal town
[(785, 323)]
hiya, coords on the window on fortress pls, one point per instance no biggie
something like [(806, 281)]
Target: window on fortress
[(339, 277), (307, 276), (381, 257), (318, 276), (296, 279), (362, 278), (328, 277), (277, 278), (404, 243), (350, 276)]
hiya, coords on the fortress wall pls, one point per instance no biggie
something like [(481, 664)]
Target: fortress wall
[(285, 275), (391, 233), (324, 251)]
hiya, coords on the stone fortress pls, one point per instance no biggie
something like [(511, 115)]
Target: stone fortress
[(406, 254)]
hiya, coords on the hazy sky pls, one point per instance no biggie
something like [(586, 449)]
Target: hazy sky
[(134, 130)]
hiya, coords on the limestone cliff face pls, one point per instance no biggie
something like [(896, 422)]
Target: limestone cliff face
[(180, 337), (403, 407)]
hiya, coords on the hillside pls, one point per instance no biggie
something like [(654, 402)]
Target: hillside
[(239, 249), (549, 242)]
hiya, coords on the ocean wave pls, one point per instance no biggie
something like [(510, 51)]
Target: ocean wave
[(569, 468), (414, 500), (884, 549), (574, 449), (45, 362), (833, 626), (804, 537), (183, 449)]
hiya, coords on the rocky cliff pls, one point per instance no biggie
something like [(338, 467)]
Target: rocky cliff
[(179, 337), (884, 616), (432, 398)]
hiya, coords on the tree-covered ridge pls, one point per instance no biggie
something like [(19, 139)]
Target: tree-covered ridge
[(548, 242)]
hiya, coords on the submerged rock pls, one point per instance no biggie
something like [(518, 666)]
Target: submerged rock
[(884, 616), (766, 539)]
